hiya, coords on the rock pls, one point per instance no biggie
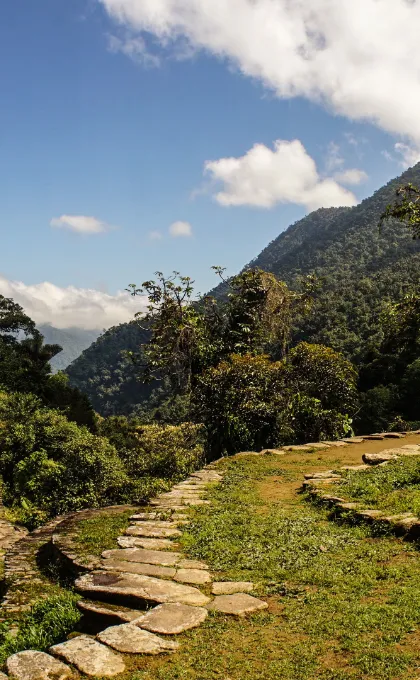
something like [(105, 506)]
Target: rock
[(106, 615), (31, 665), (231, 587), (273, 452), (148, 532), (139, 568), (329, 474), (3, 676), (191, 564), (411, 447), (158, 524), (172, 619), (355, 468), (318, 445), (138, 588), (165, 559), (335, 443), (370, 514), (376, 458), (393, 435), (147, 543), (352, 440), (166, 505), (131, 639), (374, 437), (239, 604), (196, 576), (90, 657), (346, 507), (144, 516)]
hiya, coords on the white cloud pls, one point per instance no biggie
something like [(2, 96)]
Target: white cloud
[(81, 224), (353, 176), (334, 158), (155, 236), (180, 229), (360, 58), (264, 177), (409, 155), (134, 47), (68, 307)]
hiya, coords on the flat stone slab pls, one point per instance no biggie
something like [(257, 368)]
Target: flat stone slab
[(273, 452), (318, 445), (328, 474), (110, 616), (31, 665), (90, 657), (237, 605), (167, 505), (393, 435), (145, 516), (131, 639), (139, 568), (172, 619), (377, 458), (297, 447), (164, 559), (158, 523), (352, 440), (335, 443), (191, 564), (231, 587), (149, 532), (374, 437), (355, 468), (197, 577), (146, 543), (138, 588)]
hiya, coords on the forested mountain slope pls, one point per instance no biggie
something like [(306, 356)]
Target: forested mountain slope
[(360, 268), (106, 375)]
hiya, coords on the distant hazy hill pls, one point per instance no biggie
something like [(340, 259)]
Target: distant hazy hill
[(360, 267), (72, 340)]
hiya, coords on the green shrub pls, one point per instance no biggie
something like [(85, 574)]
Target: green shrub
[(312, 423), (51, 464), (166, 452), (49, 621), (242, 402)]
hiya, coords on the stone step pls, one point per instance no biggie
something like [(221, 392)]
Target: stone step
[(137, 589), (172, 619), (139, 568), (197, 577), (147, 543), (89, 657), (377, 458), (238, 604), (103, 616), (164, 559), (152, 532), (130, 639), (231, 587), (32, 665)]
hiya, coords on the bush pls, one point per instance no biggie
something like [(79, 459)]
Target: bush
[(312, 423), (51, 464), (242, 403), (167, 452)]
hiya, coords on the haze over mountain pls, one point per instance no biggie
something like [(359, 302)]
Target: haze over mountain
[(360, 268), (73, 341)]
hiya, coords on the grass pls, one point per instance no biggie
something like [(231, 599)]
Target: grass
[(49, 621), (343, 605), (394, 488), (94, 535)]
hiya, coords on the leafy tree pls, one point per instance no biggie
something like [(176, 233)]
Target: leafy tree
[(24, 359), (406, 208)]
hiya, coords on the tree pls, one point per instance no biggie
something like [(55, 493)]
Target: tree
[(190, 335), (406, 208), (24, 359)]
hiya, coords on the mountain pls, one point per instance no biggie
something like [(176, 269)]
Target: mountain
[(360, 268), (72, 340), (106, 375)]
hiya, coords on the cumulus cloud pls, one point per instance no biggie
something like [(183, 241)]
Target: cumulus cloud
[(180, 229), (353, 176), (359, 58), (408, 155), (264, 177), (72, 307), (81, 224)]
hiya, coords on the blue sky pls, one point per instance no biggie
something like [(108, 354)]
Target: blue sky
[(111, 112)]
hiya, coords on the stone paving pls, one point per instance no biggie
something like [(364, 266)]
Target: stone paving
[(145, 589)]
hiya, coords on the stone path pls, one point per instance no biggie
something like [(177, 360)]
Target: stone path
[(405, 524), (145, 589), (140, 593)]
